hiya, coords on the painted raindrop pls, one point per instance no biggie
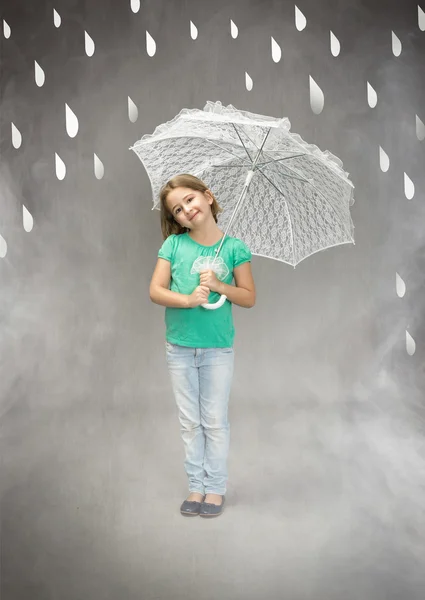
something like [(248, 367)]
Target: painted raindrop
[(3, 247), (276, 51), (409, 187), (410, 344), (400, 286), (193, 31), (60, 167), (248, 82), (7, 32), (384, 160), (27, 219), (150, 44), (233, 30), (420, 129), (16, 137), (56, 18), (40, 77), (300, 20), (71, 122), (88, 44), (372, 97), (335, 45), (317, 98), (421, 18), (133, 113), (396, 44), (135, 5), (99, 169)]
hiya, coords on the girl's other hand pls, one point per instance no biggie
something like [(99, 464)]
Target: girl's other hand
[(198, 296), (209, 279)]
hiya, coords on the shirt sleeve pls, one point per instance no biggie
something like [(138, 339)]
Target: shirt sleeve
[(242, 254), (167, 249)]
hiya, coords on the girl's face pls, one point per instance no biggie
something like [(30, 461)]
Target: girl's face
[(190, 208)]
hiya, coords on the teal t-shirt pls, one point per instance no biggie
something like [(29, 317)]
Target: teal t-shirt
[(199, 327)]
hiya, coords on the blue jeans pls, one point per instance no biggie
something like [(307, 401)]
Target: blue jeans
[(201, 379)]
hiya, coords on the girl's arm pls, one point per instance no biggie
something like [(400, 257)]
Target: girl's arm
[(159, 291), (243, 293)]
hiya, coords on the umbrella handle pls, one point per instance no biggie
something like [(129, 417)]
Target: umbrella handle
[(215, 305)]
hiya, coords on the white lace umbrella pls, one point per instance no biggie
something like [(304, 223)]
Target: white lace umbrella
[(290, 198)]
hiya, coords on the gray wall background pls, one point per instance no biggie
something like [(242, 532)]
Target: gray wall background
[(327, 460)]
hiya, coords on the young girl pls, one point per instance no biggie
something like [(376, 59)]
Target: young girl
[(199, 346)]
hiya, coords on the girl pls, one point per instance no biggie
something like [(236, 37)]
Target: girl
[(199, 346)]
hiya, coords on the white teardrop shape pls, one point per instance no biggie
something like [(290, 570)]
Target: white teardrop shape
[(233, 30), (28, 221), (135, 5), (420, 129), (335, 45), (133, 113), (6, 32), (60, 168), (16, 137), (317, 98), (3, 247), (400, 286), (421, 18), (372, 97), (384, 160), (248, 82), (40, 77), (71, 122), (150, 44), (99, 169), (56, 18), (276, 51), (193, 31), (89, 44), (410, 344), (409, 187), (300, 20), (396, 44)]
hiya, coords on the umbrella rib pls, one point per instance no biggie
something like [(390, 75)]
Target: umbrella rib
[(225, 149), (279, 159), (241, 140)]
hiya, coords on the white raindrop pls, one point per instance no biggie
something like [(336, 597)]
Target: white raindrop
[(409, 187), (6, 30), (56, 18), (150, 44), (372, 97), (335, 45), (88, 44), (420, 129), (421, 18), (233, 30), (317, 98), (400, 286), (410, 344), (384, 160), (300, 20), (60, 168), (3, 247), (133, 113), (27, 219), (99, 169), (40, 77), (248, 82), (396, 44), (193, 31), (276, 51), (16, 137), (135, 5), (71, 122)]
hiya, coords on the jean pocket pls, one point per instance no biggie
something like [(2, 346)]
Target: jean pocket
[(169, 347)]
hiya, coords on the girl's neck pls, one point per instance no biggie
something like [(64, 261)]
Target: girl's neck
[(207, 237)]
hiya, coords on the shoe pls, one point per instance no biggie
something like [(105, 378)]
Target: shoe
[(211, 510), (190, 508)]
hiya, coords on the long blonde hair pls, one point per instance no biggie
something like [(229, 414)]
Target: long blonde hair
[(168, 224)]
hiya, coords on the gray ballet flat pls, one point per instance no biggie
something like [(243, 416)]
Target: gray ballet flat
[(190, 508), (211, 510)]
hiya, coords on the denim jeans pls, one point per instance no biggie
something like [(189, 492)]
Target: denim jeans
[(201, 379)]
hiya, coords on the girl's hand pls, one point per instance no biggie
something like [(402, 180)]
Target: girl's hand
[(209, 279), (198, 296)]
